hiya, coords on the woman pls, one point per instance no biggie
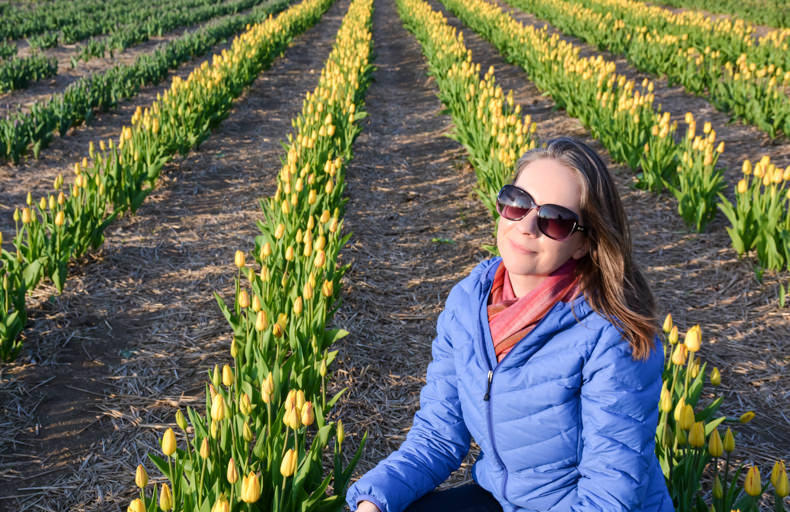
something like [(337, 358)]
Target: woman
[(546, 356)]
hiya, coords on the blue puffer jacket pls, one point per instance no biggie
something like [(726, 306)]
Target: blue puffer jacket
[(566, 421)]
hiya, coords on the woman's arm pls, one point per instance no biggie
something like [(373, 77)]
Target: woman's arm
[(619, 412), (434, 447)]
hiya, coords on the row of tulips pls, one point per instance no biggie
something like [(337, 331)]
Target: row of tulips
[(485, 120), (159, 20), (18, 72), (21, 131), (682, 432), (117, 176), (741, 85), (775, 13), (618, 112), (266, 436)]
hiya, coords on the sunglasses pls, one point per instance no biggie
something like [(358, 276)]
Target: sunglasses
[(556, 222)]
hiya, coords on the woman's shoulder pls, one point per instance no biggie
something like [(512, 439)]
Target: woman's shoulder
[(476, 282)]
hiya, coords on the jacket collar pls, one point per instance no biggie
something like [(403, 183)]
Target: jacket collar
[(561, 316)]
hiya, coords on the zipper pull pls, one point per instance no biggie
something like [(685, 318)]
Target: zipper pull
[(488, 388)]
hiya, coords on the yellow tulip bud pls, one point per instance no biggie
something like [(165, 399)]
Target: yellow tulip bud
[(753, 485), (181, 421), (60, 218), (779, 479), (267, 388), (169, 442), (244, 299), (277, 330), (218, 408), (204, 449), (288, 465), (245, 406), (729, 441), (246, 432), (667, 323), (679, 354), (697, 435), (693, 338), (307, 291), (27, 216), (673, 335), (718, 491), (227, 375), (325, 217), (256, 303), (341, 433), (29, 199), (266, 250), (679, 408), (747, 417), (279, 231), (715, 376), (742, 186), (221, 505), (289, 253), (141, 477), (165, 498), (715, 446), (136, 505), (250, 488), (327, 289), (322, 368), (665, 403), (308, 415), (240, 259), (232, 474), (299, 399), (320, 259), (261, 321), (686, 417), (298, 307)]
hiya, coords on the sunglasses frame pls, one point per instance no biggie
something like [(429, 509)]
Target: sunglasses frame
[(535, 206)]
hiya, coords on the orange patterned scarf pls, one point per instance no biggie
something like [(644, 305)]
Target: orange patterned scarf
[(511, 318)]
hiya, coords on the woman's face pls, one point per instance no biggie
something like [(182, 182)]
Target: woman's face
[(527, 253)]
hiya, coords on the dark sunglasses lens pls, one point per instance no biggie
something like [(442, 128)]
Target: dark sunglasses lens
[(513, 204), (556, 222)]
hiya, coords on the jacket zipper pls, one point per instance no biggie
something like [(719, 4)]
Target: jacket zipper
[(487, 398)]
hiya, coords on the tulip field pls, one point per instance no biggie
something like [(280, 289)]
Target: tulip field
[(228, 228)]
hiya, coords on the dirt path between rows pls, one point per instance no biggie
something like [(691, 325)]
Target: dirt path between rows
[(43, 89), (696, 277), (105, 364)]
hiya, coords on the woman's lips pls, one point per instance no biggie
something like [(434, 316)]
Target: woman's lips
[(518, 248)]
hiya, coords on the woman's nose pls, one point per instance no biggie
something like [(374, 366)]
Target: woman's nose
[(529, 224)]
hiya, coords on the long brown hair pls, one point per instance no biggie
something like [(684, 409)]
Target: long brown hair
[(612, 283)]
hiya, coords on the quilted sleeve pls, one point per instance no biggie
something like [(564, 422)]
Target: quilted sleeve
[(434, 447), (619, 413)]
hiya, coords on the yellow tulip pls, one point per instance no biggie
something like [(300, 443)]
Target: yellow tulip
[(240, 259), (665, 403), (227, 375), (747, 417), (715, 376), (693, 338), (261, 321), (232, 474), (667, 323), (288, 465), (715, 446), (221, 505), (246, 432), (250, 488), (60, 218), (673, 335), (679, 354), (752, 485), (169, 442), (327, 289), (165, 498), (697, 435), (686, 417), (729, 441), (308, 415), (244, 299), (267, 388), (245, 406), (218, 408), (204, 449), (779, 479), (141, 477), (136, 506), (341, 433)]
